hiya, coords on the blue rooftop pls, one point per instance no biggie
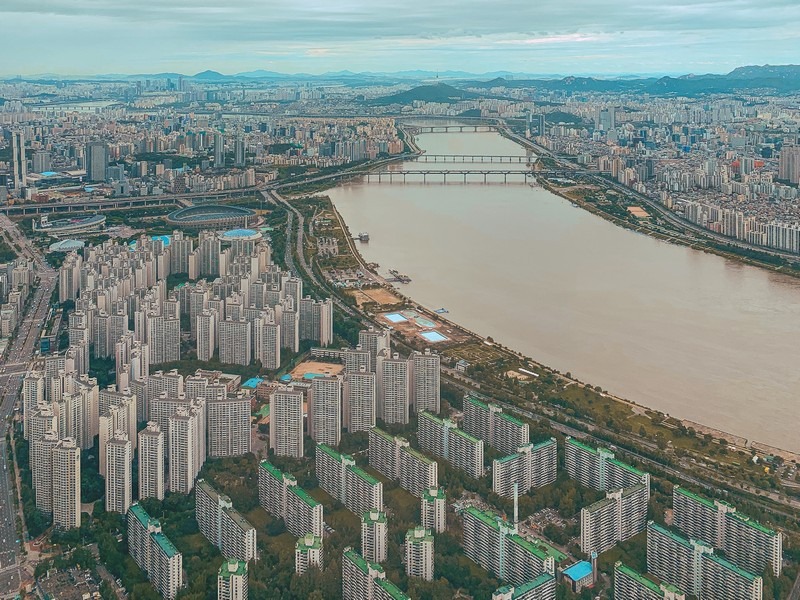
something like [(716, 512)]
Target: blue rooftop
[(252, 383), (48, 173), (286, 378), (579, 570)]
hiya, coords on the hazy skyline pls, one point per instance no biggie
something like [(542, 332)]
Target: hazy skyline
[(78, 37)]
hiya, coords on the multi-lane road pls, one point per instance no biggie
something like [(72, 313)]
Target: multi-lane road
[(12, 370)]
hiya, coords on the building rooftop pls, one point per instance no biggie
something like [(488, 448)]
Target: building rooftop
[(579, 570), (237, 518), (674, 536), (358, 560), (475, 401), (731, 567), (510, 419), (418, 455), (271, 469), (232, 567), (548, 442), (486, 517), (382, 433), (745, 520), (165, 545), (140, 513), (303, 495), (418, 534), (573, 442), (528, 546), (521, 590), (641, 579), (627, 467), (331, 452), (308, 542), (465, 435), (439, 493), (696, 497), (374, 516), (391, 589), (362, 474)]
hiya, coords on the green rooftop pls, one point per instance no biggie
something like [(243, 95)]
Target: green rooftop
[(391, 589), (333, 453), (745, 520), (362, 474), (308, 542), (380, 517), (431, 417), (527, 587), (544, 444), (731, 567), (382, 433), (663, 531), (358, 560), (271, 469), (528, 546), (165, 545), (466, 436), (511, 419), (141, 514), (627, 467), (696, 497), (476, 402), (303, 495), (418, 534), (581, 445), (418, 455), (508, 458), (439, 494), (548, 549), (232, 567), (638, 578), (487, 518)]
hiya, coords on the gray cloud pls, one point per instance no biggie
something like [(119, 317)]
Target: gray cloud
[(86, 36)]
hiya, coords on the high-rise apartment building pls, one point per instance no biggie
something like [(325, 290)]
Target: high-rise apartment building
[(359, 400), (42, 470), (394, 458), (222, 525), (66, 479), (425, 385), (228, 424), (96, 160), (352, 486), (154, 553), (363, 580), (119, 455), (19, 161), (692, 566), (235, 342), (746, 543), (630, 585), (441, 437), (598, 469), (393, 376), (151, 462), (232, 580), (532, 466), (286, 421), (498, 429), (374, 341), (494, 544), (541, 588), (374, 536), (279, 495), (433, 509), (419, 553), (186, 447), (308, 553), (789, 164), (206, 334), (618, 517), (325, 410)]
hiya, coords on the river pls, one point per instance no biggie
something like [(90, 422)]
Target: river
[(691, 334)]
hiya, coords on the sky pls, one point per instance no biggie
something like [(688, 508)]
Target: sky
[(81, 37)]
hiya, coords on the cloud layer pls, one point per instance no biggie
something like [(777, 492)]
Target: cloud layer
[(566, 36)]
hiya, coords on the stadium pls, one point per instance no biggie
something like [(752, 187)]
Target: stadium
[(213, 216)]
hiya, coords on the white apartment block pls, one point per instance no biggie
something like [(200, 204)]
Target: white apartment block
[(66, 479), (228, 424), (433, 510), (151, 462), (394, 387), (308, 554), (359, 400), (532, 466), (325, 410), (374, 536), (154, 553), (286, 422), (419, 553), (425, 385), (222, 525), (618, 517), (119, 456)]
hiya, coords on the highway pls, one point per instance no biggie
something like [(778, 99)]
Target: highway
[(12, 371)]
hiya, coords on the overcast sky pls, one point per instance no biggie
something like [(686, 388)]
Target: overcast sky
[(550, 36)]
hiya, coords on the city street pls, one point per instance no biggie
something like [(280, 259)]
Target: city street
[(12, 370)]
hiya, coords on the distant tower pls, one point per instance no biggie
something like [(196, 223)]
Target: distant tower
[(219, 150), (20, 163), (96, 160)]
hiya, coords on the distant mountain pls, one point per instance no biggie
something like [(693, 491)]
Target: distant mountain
[(766, 72), (440, 92), (211, 76)]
